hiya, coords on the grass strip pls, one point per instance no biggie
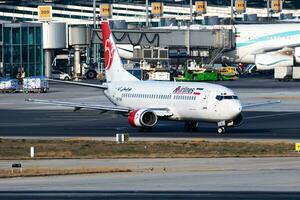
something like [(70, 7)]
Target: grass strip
[(45, 149), (30, 172)]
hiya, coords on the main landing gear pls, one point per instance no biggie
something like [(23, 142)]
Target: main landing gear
[(221, 127), (191, 126)]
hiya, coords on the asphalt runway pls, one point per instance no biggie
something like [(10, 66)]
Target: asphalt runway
[(25, 119), (57, 195)]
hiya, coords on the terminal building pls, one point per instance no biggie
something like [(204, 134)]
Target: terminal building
[(24, 46), (28, 43)]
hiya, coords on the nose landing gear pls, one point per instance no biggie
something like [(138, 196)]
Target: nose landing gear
[(221, 127)]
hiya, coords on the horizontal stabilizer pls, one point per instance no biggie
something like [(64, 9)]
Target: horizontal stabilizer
[(161, 112), (79, 106), (80, 83)]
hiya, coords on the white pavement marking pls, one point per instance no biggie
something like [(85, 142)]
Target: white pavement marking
[(273, 115)]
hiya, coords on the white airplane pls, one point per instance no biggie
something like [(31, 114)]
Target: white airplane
[(146, 102), (265, 45)]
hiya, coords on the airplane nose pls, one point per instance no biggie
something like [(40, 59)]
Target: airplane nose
[(238, 108)]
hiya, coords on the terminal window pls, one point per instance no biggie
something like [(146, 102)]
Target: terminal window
[(23, 49), (1, 33)]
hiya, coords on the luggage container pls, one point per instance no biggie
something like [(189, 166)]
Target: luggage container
[(296, 73), (35, 84), (283, 73), (9, 85)]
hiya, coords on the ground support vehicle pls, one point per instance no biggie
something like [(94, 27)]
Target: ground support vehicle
[(207, 74), (38, 84), (9, 85)]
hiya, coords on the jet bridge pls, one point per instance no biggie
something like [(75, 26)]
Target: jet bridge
[(206, 43)]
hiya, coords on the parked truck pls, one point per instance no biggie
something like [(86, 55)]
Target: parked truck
[(65, 63)]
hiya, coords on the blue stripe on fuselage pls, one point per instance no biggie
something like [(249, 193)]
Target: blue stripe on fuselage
[(267, 38)]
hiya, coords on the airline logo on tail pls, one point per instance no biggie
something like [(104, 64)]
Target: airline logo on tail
[(109, 49), (108, 53)]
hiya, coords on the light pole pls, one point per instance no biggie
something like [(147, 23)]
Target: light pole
[(268, 9), (191, 11), (231, 12), (147, 13), (94, 26)]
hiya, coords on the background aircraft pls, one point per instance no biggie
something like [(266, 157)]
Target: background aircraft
[(265, 45)]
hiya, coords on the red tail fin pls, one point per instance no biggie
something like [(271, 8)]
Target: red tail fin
[(109, 48), (114, 70)]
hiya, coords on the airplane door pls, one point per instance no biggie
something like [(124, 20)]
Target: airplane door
[(114, 95), (117, 95), (206, 96)]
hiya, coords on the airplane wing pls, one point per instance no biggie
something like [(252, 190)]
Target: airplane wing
[(160, 112), (103, 86), (259, 104), (78, 106)]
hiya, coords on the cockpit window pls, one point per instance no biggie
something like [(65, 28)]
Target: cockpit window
[(221, 97)]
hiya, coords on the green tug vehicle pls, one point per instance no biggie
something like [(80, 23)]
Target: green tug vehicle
[(196, 73)]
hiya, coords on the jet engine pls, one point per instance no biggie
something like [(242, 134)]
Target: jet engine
[(270, 61), (142, 118), (237, 121)]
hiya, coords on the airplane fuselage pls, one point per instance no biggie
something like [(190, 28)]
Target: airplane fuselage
[(188, 101), (256, 39)]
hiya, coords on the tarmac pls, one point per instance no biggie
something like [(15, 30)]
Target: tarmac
[(195, 174), (25, 119), (228, 178)]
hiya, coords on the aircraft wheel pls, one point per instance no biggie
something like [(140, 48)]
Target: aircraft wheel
[(187, 126), (191, 126), (194, 126), (221, 130)]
